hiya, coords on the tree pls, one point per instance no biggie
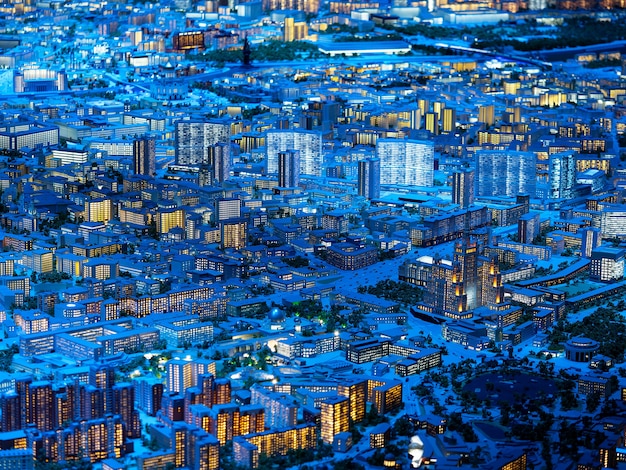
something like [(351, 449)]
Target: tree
[(593, 401), (403, 427)]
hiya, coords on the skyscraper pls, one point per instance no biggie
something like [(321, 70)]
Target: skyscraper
[(218, 158), (505, 173), (144, 156), (406, 162), (463, 187), (289, 168), (562, 175), (308, 143), (194, 138), (466, 257), (369, 178)]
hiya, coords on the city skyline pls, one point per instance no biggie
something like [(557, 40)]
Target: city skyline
[(308, 235)]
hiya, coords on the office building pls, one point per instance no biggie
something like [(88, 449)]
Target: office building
[(505, 173), (463, 187), (307, 143), (144, 156), (406, 162), (193, 139), (27, 135), (70, 156), (369, 178), (335, 417)]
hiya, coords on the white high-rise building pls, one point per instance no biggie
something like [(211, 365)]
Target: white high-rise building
[(562, 175), (505, 173), (308, 143), (406, 162), (194, 138)]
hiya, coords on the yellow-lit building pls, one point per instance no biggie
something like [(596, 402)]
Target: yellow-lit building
[(356, 392), (179, 375), (40, 261), (233, 233), (98, 210), (387, 397), (335, 418), (247, 449), (169, 219), (487, 114)]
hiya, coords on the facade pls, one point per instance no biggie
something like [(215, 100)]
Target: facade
[(144, 156), (463, 188), (350, 256), (193, 139), (219, 161), (580, 349), (335, 418), (406, 162), (307, 143), (289, 169), (505, 173), (607, 264), (369, 178)]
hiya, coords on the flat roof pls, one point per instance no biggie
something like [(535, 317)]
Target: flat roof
[(365, 47)]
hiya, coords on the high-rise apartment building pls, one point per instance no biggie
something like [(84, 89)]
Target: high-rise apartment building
[(233, 233), (463, 187), (144, 156), (561, 175), (307, 143), (98, 210), (448, 120), (335, 417), (289, 168), (179, 375), (356, 392), (369, 178), (219, 161), (227, 208), (431, 123), (505, 173), (168, 219), (194, 138), (487, 114), (591, 239), (406, 162)]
